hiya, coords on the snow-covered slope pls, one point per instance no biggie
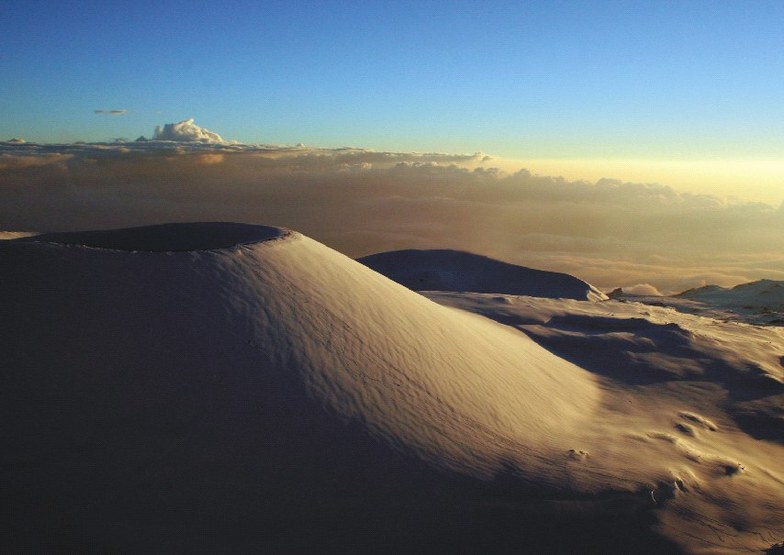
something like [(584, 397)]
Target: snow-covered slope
[(757, 302), (141, 379), (449, 270), (764, 295), (202, 387), (710, 394)]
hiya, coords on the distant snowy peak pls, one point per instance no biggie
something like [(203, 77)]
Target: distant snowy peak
[(758, 302), (762, 286), (186, 131), (701, 291), (449, 270), (761, 294)]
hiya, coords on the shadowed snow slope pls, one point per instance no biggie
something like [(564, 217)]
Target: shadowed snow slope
[(275, 394), (204, 387), (448, 270)]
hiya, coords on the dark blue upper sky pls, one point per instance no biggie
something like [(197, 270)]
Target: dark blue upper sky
[(608, 79)]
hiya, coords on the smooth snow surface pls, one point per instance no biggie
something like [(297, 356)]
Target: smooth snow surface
[(275, 395), (449, 270)]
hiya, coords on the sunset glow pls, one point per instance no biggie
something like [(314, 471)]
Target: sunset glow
[(392, 276)]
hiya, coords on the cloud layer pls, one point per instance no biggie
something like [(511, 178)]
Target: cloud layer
[(360, 202)]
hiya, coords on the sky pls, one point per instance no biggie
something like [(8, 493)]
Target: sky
[(685, 93)]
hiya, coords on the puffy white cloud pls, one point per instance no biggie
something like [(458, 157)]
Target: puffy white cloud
[(186, 131)]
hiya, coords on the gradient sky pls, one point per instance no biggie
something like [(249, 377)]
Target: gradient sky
[(617, 81)]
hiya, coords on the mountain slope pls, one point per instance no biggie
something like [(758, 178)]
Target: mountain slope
[(268, 377), (448, 270), (764, 294), (203, 387)]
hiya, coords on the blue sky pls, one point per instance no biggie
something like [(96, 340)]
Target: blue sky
[(637, 80)]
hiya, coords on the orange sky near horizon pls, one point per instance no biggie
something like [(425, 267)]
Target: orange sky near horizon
[(747, 179)]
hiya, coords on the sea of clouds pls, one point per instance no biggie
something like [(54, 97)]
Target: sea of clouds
[(610, 233)]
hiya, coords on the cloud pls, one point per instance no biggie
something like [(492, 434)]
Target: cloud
[(210, 158), (644, 289), (111, 112), (11, 162), (186, 131), (610, 233)]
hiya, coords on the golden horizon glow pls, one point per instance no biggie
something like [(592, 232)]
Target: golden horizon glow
[(759, 180)]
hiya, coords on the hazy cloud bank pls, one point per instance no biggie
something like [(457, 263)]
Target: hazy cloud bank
[(359, 202)]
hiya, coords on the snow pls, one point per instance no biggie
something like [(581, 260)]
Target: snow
[(168, 237), (449, 270), (234, 387), (757, 302), (758, 295), (694, 394)]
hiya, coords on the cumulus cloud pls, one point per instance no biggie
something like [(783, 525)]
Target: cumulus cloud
[(610, 233), (186, 131), (111, 112)]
